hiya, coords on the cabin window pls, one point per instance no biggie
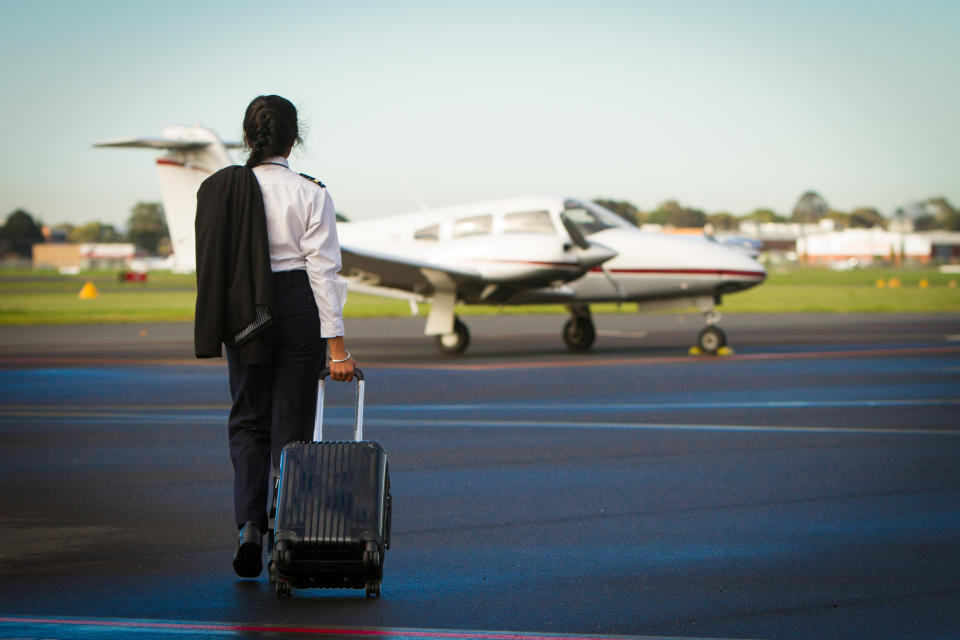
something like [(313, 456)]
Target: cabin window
[(528, 222), (590, 217), (472, 226), (430, 234)]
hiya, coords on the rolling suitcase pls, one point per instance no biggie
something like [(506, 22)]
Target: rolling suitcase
[(333, 507)]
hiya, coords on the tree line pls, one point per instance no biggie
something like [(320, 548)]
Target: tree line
[(811, 208), (147, 226), (146, 229)]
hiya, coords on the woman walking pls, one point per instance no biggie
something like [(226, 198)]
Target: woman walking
[(268, 288)]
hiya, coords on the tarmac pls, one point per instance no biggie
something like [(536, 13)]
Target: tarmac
[(806, 486)]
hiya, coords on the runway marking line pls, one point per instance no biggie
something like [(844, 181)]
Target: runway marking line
[(503, 424), (485, 366), (542, 424), (136, 411), (330, 632)]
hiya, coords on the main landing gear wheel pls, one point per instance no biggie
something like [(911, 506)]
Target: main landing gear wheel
[(711, 340), (579, 334), (456, 342)]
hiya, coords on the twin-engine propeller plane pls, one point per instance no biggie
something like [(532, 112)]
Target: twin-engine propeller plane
[(525, 250)]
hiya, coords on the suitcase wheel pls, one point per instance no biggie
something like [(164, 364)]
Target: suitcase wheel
[(373, 588), (281, 553), (284, 588), (371, 555)]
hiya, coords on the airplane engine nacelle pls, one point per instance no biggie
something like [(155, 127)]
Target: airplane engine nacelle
[(517, 257)]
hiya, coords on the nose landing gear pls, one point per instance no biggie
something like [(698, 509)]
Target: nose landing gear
[(712, 340)]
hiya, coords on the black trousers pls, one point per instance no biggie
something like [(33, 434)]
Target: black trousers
[(274, 402)]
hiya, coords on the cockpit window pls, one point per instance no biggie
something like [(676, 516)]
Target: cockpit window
[(590, 217), (528, 222), (472, 226), (430, 234)]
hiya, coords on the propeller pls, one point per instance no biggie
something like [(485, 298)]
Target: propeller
[(589, 254), (574, 232)]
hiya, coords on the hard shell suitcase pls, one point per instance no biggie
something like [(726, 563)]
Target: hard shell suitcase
[(332, 526)]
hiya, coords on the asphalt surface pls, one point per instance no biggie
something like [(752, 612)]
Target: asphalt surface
[(807, 486)]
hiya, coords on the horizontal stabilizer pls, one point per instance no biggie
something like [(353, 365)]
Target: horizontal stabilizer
[(163, 143)]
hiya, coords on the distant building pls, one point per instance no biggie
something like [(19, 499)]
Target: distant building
[(781, 237), (866, 246), (56, 256), (105, 255), (944, 246)]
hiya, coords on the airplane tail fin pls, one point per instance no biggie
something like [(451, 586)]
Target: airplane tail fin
[(193, 153)]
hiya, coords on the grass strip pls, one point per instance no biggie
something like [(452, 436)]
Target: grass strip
[(28, 297)]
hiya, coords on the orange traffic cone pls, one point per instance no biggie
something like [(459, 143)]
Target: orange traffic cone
[(88, 291)]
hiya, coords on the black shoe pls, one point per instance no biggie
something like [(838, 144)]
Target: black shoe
[(246, 561)]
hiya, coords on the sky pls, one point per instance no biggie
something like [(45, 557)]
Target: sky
[(721, 105)]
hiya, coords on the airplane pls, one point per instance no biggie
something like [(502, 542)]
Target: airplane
[(521, 250)]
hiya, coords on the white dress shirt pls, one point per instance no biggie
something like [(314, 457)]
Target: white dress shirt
[(302, 232)]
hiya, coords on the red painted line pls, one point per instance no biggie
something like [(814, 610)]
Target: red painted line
[(170, 362), (573, 362), (314, 631), (699, 360)]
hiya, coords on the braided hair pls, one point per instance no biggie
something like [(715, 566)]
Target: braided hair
[(269, 128)]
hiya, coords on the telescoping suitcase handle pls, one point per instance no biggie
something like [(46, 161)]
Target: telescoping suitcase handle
[(318, 423)]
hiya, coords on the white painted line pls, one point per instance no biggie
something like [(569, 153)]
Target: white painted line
[(668, 406), (954, 338), (489, 423), (632, 426), (490, 409)]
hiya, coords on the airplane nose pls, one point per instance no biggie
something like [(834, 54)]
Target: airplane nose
[(594, 254), (742, 273)]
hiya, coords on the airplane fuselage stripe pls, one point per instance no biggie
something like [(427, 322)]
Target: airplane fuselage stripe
[(686, 272), (539, 263), (175, 163)]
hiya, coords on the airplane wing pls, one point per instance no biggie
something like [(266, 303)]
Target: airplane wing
[(403, 273)]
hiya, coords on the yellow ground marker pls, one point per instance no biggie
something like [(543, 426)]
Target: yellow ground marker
[(88, 292), (722, 351)]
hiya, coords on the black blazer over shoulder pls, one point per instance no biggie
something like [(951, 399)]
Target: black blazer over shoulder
[(234, 279)]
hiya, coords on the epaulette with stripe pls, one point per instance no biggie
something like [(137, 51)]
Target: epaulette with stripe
[(314, 180)]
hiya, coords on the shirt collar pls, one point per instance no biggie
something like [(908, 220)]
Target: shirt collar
[(278, 160)]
